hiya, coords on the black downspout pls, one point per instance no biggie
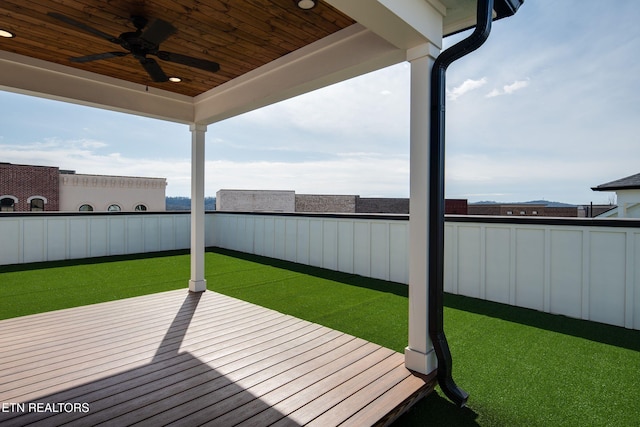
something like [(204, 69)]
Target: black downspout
[(436, 198)]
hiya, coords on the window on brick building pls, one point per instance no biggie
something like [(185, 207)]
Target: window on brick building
[(140, 208), (114, 208), (86, 208), (7, 204), (36, 205)]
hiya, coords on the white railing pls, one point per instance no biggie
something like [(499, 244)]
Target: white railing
[(51, 237), (582, 268), (367, 245), (587, 269)]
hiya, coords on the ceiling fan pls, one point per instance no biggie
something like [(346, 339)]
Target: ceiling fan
[(140, 43)]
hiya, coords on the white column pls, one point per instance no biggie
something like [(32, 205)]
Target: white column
[(419, 354), (197, 283)]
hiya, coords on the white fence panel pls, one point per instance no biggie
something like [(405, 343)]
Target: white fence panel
[(11, 230), (166, 233), (530, 268), (316, 248), (345, 246), (151, 225), (588, 269), (118, 235), (566, 272), (98, 237), (330, 244), (398, 252), (135, 235), (34, 235), (366, 246), (53, 237), (380, 250), (470, 254), (497, 264), (182, 224), (607, 277), (78, 237), (290, 239), (57, 245), (209, 238), (362, 249), (303, 240), (269, 236)]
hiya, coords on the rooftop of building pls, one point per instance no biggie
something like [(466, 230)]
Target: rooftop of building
[(631, 182)]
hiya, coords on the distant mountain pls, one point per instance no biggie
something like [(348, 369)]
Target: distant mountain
[(550, 204), (184, 203), (531, 202)]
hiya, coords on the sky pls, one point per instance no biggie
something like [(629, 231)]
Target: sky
[(546, 109)]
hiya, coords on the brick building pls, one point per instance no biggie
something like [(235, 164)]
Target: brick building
[(325, 203), (525, 209), (382, 205), (25, 188), (289, 201), (401, 205)]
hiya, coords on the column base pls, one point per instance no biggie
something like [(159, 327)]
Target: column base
[(197, 285), (420, 362)]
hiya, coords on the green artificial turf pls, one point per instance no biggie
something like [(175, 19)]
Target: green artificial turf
[(520, 367), (35, 288)]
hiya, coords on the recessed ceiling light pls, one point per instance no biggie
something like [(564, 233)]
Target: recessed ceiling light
[(175, 79), (6, 33), (306, 4)]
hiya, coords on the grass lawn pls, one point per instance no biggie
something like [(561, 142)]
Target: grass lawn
[(521, 367)]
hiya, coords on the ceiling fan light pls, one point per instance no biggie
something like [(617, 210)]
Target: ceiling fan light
[(306, 4), (175, 79), (6, 34)]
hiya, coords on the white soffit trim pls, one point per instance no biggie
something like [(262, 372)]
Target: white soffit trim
[(348, 53), (404, 23), (35, 77), (460, 15)]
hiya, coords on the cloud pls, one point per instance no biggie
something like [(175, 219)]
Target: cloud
[(87, 143), (513, 177), (362, 173), (366, 107), (82, 157), (466, 86), (509, 89)]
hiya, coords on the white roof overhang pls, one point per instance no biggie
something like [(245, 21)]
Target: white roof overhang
[(384, 32)]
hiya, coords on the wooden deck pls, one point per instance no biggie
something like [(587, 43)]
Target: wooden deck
[(178, 358)]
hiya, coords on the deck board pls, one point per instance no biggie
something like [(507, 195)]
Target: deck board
[(177, 358)]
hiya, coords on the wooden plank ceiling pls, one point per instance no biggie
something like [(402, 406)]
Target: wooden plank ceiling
[(239, 35)]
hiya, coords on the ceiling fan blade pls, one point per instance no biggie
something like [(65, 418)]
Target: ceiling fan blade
[(154, 70), (158, 31), (189, 61), (84, 27), (97, 56)]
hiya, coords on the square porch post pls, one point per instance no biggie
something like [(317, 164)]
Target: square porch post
[(419, 354), (197, 283)]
